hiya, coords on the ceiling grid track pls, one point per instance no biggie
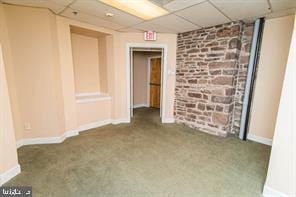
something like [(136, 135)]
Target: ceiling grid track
[(68, 6), (219, 10)]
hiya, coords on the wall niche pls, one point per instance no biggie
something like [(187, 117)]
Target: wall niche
[(90, 53)]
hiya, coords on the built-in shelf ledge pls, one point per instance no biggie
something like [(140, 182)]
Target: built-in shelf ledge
[(92, 97)]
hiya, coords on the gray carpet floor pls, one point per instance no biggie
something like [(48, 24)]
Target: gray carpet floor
[(144, 158)]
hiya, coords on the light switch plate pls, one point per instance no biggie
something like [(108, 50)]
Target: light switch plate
[(27, 126)]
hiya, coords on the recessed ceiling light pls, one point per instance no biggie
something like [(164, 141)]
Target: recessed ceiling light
[(141, 8)]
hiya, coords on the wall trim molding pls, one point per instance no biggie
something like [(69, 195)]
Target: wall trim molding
[(259, 139), (93, 125), (270, 192), (43, 140), (70, 133), (140, 105), (46, 140), (92, 100), (9, 174), (121, 121), (164, 74), (88, 94)]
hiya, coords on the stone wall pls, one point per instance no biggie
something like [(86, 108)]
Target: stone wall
[(210, 67), (246, 40)]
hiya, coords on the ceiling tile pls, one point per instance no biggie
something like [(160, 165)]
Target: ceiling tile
[(175, 23), (51, 4), (282, 13), (241, 9), (129, 30), (161, 2), (146, 26), (282, 4), (90, 19), (62, 2), (180, 4), (98, 9), (203, 14)]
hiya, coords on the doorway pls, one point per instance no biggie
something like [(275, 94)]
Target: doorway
[(153, 90)]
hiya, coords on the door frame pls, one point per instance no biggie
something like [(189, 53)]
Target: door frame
[(148, 78), (164, 48)]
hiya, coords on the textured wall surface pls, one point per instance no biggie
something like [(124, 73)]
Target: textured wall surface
[(246, 41), (210, 67)]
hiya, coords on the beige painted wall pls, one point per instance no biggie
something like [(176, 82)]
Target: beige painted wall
[(86, 63), (103, 52), (41, 75), (140, 73), (8, 154), (79, 114), (103, 62), (4, 40), (281, 176), (67, 73), (35, 62), (93, 112), (91, 76), (271, 69)]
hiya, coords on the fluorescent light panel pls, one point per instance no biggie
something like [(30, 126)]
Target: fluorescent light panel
[(141, 8)]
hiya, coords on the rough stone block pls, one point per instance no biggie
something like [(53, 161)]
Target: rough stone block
[(222, 64), (194, 95), (222, 99), (220, 118), (223, 80)]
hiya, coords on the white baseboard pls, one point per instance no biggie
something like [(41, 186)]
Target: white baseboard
[(60, 139), (168, 120), (140, 105), (270, 192), (121, 121), (9, 174), (259, 139), (93, 125), (71, 133), (45, 140)]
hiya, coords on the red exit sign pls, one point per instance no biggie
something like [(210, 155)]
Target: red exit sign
[(150, 35)]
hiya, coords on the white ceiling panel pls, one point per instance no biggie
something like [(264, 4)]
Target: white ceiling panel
[(55, 5), (282, 4), (186, 15), (96, 8), (241, 9), (282, 13), (181, 4), (175, 23), (129, 30), (146, 26), (90, 19), (203, 14), (61, 2)]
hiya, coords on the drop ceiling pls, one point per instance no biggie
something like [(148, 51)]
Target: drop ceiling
[(184, 15)]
